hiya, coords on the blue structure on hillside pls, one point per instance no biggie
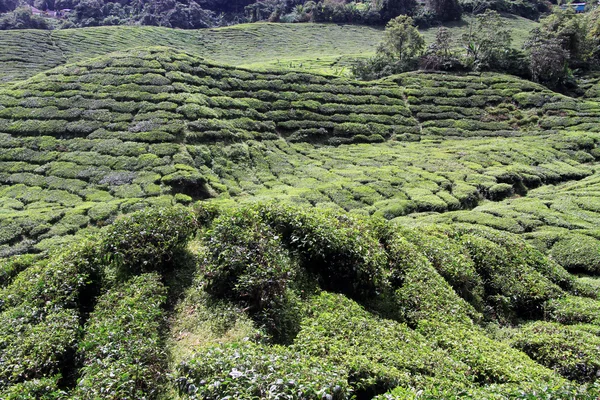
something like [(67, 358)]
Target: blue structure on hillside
[(577, 7)]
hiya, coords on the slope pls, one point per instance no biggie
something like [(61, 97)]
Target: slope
[(326, 48), (84, 142)]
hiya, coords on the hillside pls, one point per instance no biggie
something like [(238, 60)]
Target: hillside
[(291, 234), (103, 136), (328, 48)]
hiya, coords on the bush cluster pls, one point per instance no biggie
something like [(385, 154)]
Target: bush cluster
[(122, 347)]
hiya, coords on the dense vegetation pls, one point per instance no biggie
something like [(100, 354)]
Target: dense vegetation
[(174, 227), (563, 42), (307, 281)]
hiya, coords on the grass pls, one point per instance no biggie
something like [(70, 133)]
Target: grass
[(324, 48)]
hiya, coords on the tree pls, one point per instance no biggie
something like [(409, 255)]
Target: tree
[(445, 10), (22, 18), (389, 9), (487, 42), (439, 55), (401, 40), (548, 60), (399, 52)]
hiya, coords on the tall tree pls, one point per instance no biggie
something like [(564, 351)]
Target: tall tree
[(486, 42), (445, 10), (399, 51), (548, 60)]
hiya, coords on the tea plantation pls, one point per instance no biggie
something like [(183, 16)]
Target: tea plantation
[(329, 48), (175, 227)]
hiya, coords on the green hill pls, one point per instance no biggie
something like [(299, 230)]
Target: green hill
[(328, 48), (294, 235), (86, 141)]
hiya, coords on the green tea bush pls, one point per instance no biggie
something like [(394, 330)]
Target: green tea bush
[(420, 291), (35, 389), (146, 240), (527, 390), (122, 347), (248, 264), (578, 253), (378, 354), (451, 260), (12, 266), (341, 250), (573, 310), (500, 191), (570, 351), (248, 370), (489, 361), (40, 309), (509, 281)]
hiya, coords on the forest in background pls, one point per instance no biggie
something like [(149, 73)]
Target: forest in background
[(194, 14)]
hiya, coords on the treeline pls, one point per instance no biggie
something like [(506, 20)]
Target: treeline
[(564, 43), (184, 14), (193, 14)]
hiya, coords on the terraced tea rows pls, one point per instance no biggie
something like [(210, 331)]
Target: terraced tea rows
[(393, 178), (84, 142), (491, 105), (560, 220), (315, 47)]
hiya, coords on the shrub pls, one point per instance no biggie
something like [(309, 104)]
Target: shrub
[(569, 350), (146, 240), (578, 253), (420, 292), (341, 250), (122, 349), (514, 286), (500, 191), (248, 264), (11, 267), (573, 310), (451, 260), (248, 370), (39, 312), (35, 389), (378, 354), (489, 361)]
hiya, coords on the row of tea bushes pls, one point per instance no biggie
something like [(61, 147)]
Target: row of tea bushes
[(430, 307), (308, 279), (100, 302), (560, 220), (165, 92)]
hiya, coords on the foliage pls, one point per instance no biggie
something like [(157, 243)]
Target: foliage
[(122, 349), (548, 60), (22, 18), (445, 10), (248, 264), (248, 370), (486, 42), (40, 313), (439, 55), (578, 253), (570, 350), (399, 50), (146, 240)]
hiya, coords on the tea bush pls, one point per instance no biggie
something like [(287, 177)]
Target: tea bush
[(122, 347), (578, 253), (146, 240), (249, 370), (574, 310), (40, 310), (569, 350)]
